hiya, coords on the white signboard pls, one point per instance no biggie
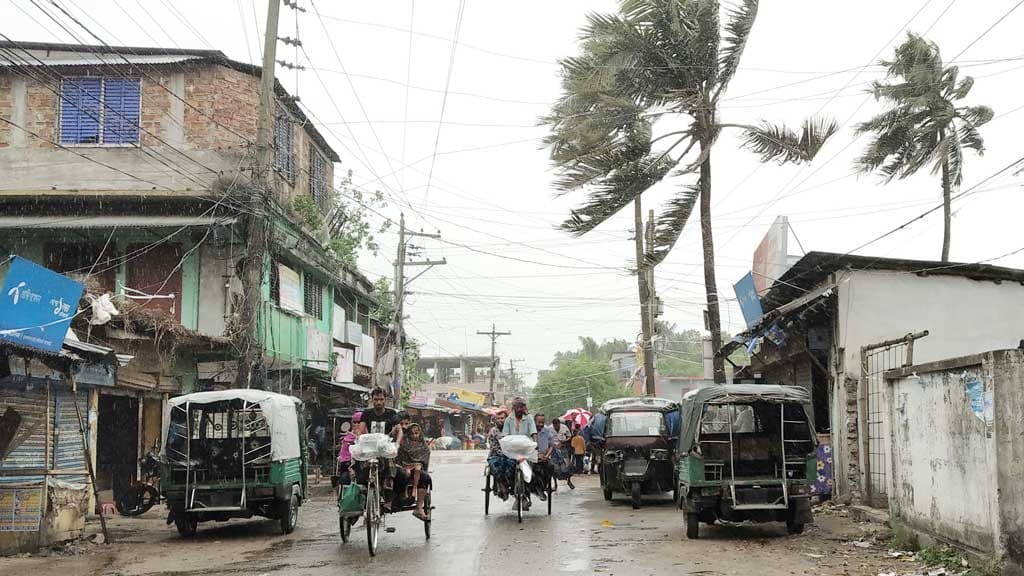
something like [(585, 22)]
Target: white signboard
[(290, 289), (344, 365), (338, 324)]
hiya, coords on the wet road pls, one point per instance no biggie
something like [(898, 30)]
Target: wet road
[(585, 535)]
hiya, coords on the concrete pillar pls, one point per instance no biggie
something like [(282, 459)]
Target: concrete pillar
[(464, 372)]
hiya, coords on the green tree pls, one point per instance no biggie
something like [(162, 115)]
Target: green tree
[(658, 63), (349, 227), (591, 350), (567, 386), (922, 124)]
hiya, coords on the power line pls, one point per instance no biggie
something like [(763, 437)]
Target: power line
[(444, 99), (987, 30)]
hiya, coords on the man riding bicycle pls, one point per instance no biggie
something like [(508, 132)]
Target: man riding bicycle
[(519, 424)]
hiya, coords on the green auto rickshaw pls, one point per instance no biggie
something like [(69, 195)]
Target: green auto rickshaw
[(233, 454), (746, 452)]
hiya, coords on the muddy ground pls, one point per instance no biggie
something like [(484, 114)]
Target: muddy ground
[(585, 535)]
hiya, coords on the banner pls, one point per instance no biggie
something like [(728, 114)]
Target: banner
[(20, 509), (36, 304), (290, 288)]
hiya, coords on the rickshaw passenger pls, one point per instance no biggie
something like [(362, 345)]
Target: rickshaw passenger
[(413, 460), (546, 439), (346, 465), (502, 467)]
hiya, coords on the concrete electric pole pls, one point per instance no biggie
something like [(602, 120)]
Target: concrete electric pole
[(493, 334), (249, 347), (400, 285)]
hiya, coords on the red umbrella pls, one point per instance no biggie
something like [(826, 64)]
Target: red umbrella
[(578, 415)]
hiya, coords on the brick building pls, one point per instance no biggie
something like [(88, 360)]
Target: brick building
[(130, 168)]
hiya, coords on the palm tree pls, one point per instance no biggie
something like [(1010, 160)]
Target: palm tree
[(923, 125), (653, 64)]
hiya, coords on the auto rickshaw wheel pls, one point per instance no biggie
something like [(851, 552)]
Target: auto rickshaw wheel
[(289, 514), (692, 526), (635, 495), (794, 527), (607, 493)]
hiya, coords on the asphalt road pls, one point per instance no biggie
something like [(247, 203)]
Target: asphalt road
[(585, 535)]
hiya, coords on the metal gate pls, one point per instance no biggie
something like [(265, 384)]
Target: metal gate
[(876, 360)]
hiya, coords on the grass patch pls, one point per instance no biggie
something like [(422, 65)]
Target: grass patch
[(903, 540), (956, 562)]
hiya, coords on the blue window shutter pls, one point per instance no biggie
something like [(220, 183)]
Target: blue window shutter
[(80, 111), (121, 111)]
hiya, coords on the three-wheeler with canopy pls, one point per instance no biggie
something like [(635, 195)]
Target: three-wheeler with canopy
[(233, 454), (746, 452), (637, 438)]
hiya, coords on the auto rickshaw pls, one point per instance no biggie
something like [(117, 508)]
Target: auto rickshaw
[(746, 452), (234, 454), (638, 440)]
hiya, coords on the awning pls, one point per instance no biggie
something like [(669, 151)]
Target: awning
[(767, 322), (111, 221), (349, 386)]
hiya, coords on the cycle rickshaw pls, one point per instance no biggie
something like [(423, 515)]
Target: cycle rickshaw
[(374, 513), (517, 490)]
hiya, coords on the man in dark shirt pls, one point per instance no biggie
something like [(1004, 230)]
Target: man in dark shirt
[(379, 419)]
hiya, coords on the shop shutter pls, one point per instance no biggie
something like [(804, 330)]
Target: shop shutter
[(30, 442), (68, 453)]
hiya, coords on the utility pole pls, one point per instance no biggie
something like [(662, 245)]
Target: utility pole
[(249, 347), (512, 371), (493, 334), (400, 292), (652, 304), (643, 277)]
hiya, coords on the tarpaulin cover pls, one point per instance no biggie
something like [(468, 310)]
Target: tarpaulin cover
[(693, 403), (281, 412)]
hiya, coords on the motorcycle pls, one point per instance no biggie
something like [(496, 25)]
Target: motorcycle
[(141, 495)]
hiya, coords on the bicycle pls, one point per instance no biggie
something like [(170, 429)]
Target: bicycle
[(374, 513)]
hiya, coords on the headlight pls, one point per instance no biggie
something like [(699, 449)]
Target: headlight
[(659, 454), (612, 456)]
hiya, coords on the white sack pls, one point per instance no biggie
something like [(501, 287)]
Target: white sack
[(373, 446), (517, 446)]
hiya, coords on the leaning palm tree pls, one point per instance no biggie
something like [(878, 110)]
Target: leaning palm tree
[(923, 124), (640, 104)]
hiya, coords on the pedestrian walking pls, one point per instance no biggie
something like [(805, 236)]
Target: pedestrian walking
[(579, 449)]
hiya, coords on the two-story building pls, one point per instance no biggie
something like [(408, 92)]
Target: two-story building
[(130, 169)]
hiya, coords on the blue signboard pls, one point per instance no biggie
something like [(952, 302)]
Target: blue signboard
[(750, 303), (36, 304)]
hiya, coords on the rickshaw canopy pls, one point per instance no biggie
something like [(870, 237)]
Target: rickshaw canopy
[(693, 403), (280, 411)]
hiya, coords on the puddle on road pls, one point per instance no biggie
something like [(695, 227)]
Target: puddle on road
[(577, 565)]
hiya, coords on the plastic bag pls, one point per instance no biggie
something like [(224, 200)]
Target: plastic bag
[(527, 471), (351, 499), (373, 446), (517, 446)]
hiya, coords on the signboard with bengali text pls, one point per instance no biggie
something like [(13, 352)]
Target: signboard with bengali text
[(36, 304)]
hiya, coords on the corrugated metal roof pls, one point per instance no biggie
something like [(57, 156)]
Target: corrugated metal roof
[(109, 60), (110, 221)]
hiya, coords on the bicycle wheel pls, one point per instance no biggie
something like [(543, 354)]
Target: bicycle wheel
[(372, 514), (428, 511), (520, 494), (551, 488), (487, 491)]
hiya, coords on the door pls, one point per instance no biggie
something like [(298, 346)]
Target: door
[(153, 279)]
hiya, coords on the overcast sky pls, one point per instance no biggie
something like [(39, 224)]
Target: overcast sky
[(490, 192)]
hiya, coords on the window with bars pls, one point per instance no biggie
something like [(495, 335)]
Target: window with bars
[(319, 187), (100, 111), (313, 298), (284, 157)]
